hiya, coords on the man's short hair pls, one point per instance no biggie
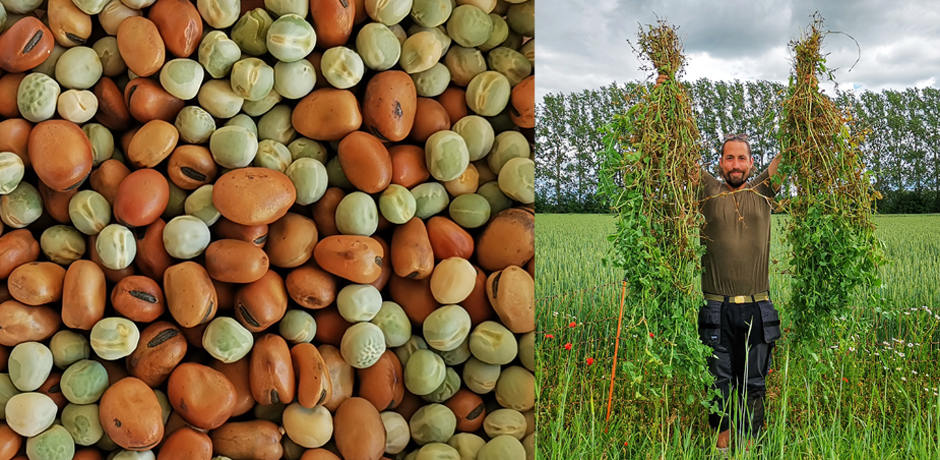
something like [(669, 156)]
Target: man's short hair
[(734, 138)]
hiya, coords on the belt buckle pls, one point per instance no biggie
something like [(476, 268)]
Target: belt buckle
[(739, 299)]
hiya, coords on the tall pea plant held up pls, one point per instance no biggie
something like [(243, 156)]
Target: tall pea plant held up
[(651, 153), (833, 250)]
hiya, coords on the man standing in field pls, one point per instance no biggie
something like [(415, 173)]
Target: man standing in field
[(738, 320)]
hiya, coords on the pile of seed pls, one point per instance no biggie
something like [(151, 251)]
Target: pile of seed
[(252, 229)]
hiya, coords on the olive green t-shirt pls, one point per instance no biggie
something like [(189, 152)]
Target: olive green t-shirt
[(736, 235)]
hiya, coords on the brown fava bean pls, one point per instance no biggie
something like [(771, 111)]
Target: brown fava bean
[(10, 442), (146, 100), (152, 258), (412, 256), (409, 167), (60, 153), (23, 323), (291, 240), (314, 387), (260, 304), (330, 326), (454, 101), (530, 267), (25, 44), (387, 270), (509, 239), (190, 294), (131, 414), (523, 103), (138, 299), (239, 374), (469, 409), (160, 349), (17, 248), (324, 211), (9, 86), (51, 389), (319, 454), (430, 117), (191, 167), (365, 162), (511, 291), (203, 396), (414, 296), (477, 304), (152, 144), (186, 444), (69, 25), (37, 283), (257, 235), (194, 335), (14, 133), (342, 376), (327, 114), (226, 294), (253, 196), (235, 261), (254, 440), (107, 178), (388, 109), (352, 257), (84, 295), (272, 372), (142, 196), (88, 454), (112, 108), (179, 24), (311, 287), (115, 369), (449, 239), (56, 204), (410, 405), (332, 22), (141, 45), (358, 430), (383, 383)]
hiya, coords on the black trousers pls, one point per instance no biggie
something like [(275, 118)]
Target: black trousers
[(742, 338)]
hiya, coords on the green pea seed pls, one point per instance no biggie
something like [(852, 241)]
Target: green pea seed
[(446, 390), (30, 364), (378, 46), (11, 172), (219, 99), (477, 133), (505, 422), (7, 391), (217, 53), (199, 204), (335, 175), (464, 64), (177, 203), (102, 142), (394, 323), (420, 52), (185, 237), (112, 63), (309, 178), (78, 68), (297, 326), (499, 34), (86, 381), (291, 38), (259, 108), (413, 344), (29, 414), (194, 124), (276, 125), (233, 146), (252, 79), (219, 14), (511, 63), (469, 26), (89, 212), (342, 67), (447, 327), (356, 214), (388, 12), (431, 13), (458, 355), (432, 82), (37, 96), (362, 345), (244, 121), (53, 444), (62, 244), (82, 422), (521, 18), (488, 93), (116, 247), (68, 347), (182, 78), (282, 7), (227, 340), (515, 388), (446, 155), (430, 199), (480, 377), (517, 180), (499, 202), (424, 372), (432, 423), (294, 80), (501, 448), (466, 444), (470, 210), (114, 338), (251, 31), (527, 351), (492, 343), (397, 204), (22, 206), (272, 155), (358, 302)]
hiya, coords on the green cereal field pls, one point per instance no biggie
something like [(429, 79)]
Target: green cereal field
[(869, 392)]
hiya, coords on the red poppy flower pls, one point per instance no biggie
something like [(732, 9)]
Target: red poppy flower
[(573, 324), (770, 371), (651, 334), (625, 443), (590, 361), (568, 346), (845, 380), (549, 336)]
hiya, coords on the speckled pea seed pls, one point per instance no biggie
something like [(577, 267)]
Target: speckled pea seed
[(251, 30), (233, 147), (227, 340), (294, 80), (185, 237), (37, 96), (397, 204), (77, 106), (218, 53), (199, 204), (194, 124), (53, 444), (68, 347), (356, 214), (114, 338), (84, 382), (30, 364), (362, 345), (430, 199), (420, 52), (424, 372), (309, 178), (432, 423), (517, 180), (219, 99), (378, 46), (62, 244), (11, 171), (182, 78), (298, 326), (291, 38), (358, 302), (89, 212)]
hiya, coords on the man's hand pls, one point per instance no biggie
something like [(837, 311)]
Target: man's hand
[(772, 170)]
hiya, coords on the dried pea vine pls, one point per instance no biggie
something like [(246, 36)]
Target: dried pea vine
[(833, 250), (651, 152)]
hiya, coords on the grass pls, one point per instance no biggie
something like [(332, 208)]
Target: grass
[(869, 391)]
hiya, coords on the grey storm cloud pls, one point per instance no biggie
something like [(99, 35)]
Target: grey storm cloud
[(583, 44)]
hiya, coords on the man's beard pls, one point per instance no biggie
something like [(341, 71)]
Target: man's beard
[(736, 182)]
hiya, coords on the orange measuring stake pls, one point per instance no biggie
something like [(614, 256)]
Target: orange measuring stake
[(613, 371)]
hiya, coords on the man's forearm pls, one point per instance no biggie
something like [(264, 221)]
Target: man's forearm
[(772, 171)]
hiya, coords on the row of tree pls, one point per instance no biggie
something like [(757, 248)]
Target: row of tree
[(902, 148)]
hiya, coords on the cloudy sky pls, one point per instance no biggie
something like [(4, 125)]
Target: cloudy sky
[(582, 44)]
